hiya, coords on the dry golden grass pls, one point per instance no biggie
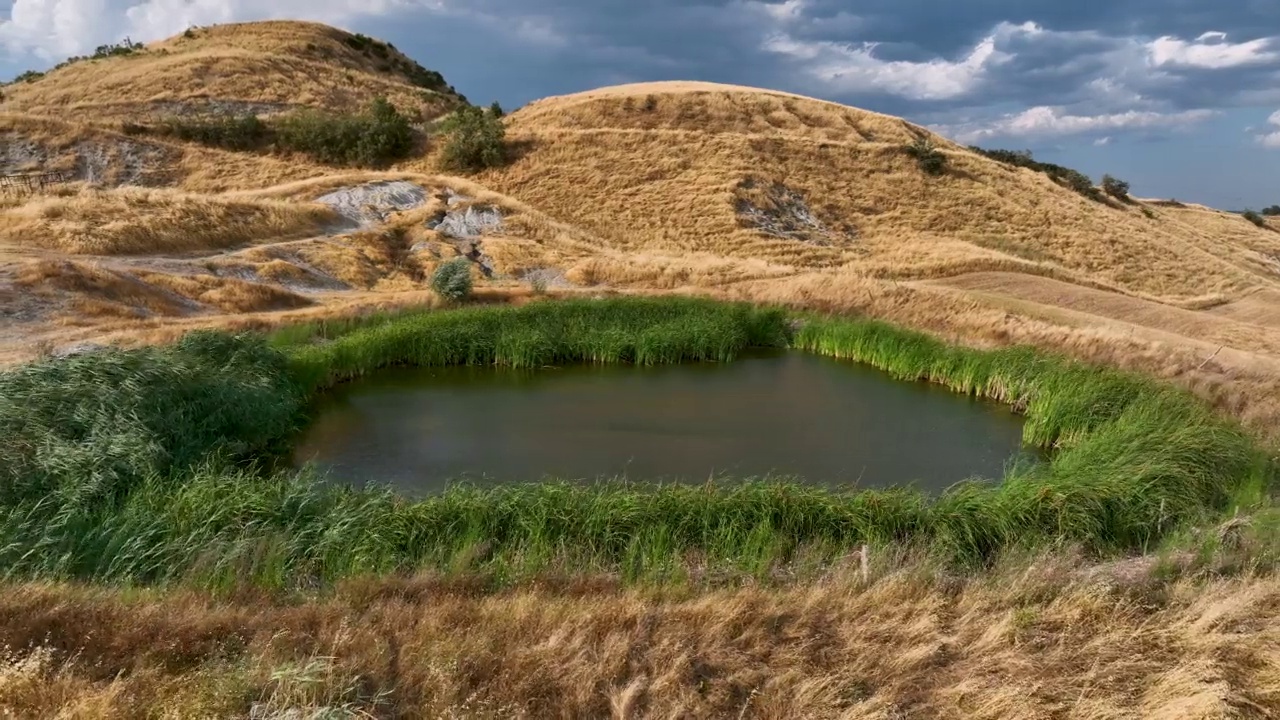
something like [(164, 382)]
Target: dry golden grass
[(107, 157), (287, 63), (1038, 641), (134, 221), (654, 167)]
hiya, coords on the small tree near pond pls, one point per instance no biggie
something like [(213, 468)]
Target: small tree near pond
[(452, 280)]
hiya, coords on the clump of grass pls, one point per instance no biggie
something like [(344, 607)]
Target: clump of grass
[(633, 330), (92, 426), (928, 156)]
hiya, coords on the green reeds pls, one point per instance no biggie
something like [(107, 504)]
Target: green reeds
[(631, 330), (137, 466)]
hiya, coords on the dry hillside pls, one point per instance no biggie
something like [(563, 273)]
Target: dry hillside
[(688, 187), (247, 67)]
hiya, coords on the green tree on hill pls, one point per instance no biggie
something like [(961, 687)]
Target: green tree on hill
[(475, 140), (1115, 187)]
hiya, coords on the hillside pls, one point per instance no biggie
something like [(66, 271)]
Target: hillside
[(235, 68), (677, 186)]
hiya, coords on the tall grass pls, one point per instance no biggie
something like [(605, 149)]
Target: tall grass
[(137, 466), (631, 330)]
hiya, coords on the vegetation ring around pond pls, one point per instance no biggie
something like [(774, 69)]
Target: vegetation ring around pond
[(152, 465)]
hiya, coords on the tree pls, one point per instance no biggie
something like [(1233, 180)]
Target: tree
[(496, 110), (476, 140), (452, 280), (1273, 210), (1115, 187)]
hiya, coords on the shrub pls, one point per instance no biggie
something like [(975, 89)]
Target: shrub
[(1273, 210), (1115, 187), (1065, 176), (476, 140), (496, 110), (1254, 218), (930, 159), (452, 280), (245, 132), (376, 137)]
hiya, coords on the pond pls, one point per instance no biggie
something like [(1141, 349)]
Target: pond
[(781, 413)]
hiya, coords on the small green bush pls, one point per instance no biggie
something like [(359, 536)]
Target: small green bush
[(376, 137), (1115, 187), (1255, 218), (930, 159), (475, 140), (246, 132), (452, 280), (1065, 176), (496, 110)]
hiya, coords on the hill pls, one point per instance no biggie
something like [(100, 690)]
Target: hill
[(677, 186), (257, 68)]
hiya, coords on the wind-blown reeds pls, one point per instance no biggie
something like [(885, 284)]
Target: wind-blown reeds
[(135, 465)]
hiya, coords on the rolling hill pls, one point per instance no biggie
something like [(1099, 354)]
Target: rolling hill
[(660, 187)]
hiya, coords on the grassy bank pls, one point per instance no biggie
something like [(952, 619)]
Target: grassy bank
[(145, 465)]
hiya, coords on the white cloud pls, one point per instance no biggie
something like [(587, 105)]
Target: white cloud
[(1211, 51), (1042, 121), (1105, 140), (844, 68), (1272, 139)]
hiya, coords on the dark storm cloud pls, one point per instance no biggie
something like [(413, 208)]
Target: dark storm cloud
[(945, 61), (922, 58)]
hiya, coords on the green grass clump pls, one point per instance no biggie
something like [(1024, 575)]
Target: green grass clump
[(94, 425), (627, 330), (149, 466)]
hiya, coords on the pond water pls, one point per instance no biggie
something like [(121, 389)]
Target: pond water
[(782, 413)]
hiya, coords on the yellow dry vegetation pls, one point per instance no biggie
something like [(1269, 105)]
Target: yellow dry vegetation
[(131, 221), (658, 167), (283, 63), (1044, 641)]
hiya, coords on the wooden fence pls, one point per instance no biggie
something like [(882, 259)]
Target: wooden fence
[(34, 182)]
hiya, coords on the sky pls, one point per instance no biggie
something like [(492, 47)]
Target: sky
[(1179, 97)]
